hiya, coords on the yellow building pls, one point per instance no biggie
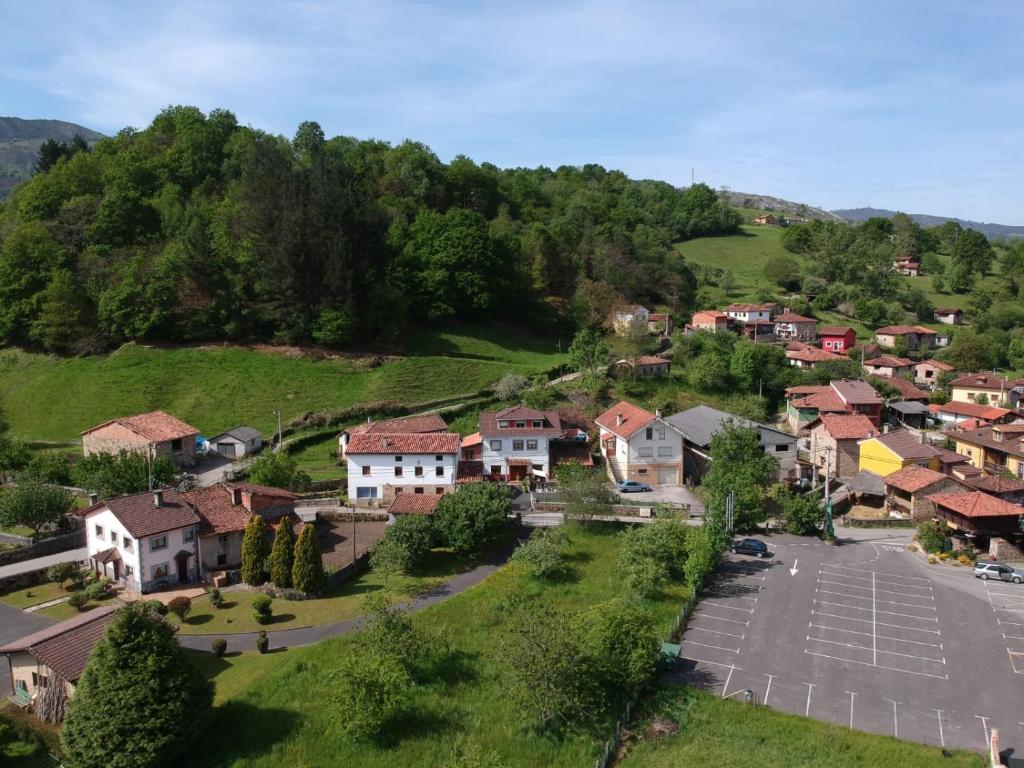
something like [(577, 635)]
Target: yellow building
[(885, 454), (993, 449)]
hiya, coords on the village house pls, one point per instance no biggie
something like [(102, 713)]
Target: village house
[(907, 491), (834, 442), (660, 324), (701, 423), (859, 397), (907, 265), (644, 366), (890, 452), (156, 434), (838, 339), (995, 390), (640, 445), (801, 355), (889, 365), (949, 316), (382, 465), (236, 443), (907, 413), (471, 448), (144, 541), (749, 313), (517, 442), (994, 449), (431, 423), (414, 504), (765, 219), (906, 389), (952, 463), (928, 371), (710, 320), (1001, 487), (758, 330), (54, 656), (806, 403), (961, 413), (915, 337), (622, 319), (790, 325), (991, 525)]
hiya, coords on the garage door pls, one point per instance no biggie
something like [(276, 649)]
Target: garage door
[(666, 477)]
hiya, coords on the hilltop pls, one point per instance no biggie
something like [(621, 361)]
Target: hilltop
[(19, 145), (752, 201), (927, 220)]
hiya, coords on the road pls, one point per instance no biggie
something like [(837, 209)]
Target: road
[(38, 563)]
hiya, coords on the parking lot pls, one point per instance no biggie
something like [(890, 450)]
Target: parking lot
[(866, 635)]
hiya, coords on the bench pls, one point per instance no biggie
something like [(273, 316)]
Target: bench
[(21, 698)]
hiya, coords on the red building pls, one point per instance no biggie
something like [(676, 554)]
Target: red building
[(837, 338)]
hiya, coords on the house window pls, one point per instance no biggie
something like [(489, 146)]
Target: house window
[(520, 425), (189, 534), (418, 490), (129, 571), (160, 571), (99, 531), (113, 537), (439, 471), (503, 425), (517, 445), (157, 542), (495, 445), (40, 681), (418, 472), (649, 433), (222, 559), (366, 492), (661, 433), (531, 445), (495, 469), (127, 544), (398, 458), (537, 423), (176, 445), (439, 457), (398, 471), (223, 541), (366, 470), (439, 491), (664, 450), (645, 453), (641, 471), (781, 448)]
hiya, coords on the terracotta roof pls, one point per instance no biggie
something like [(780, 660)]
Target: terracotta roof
[(651, 360), (947, 456), (793, 317), (423, 442), (890, 361), (264, 490), (912, 479), (552, 423), (855, 391), (798, 346), (65, 647), (654, 317), (906, 388), (470, 440), (983, 437), (972, 410), (985, 381), (158, 427), (937, 364), (431, 422), (741, 307), (140, 515), (900, 330), (995, 484), (976, 504), (633, 419), (834, 330), (907, 445), (847, 426), (823, 401), (807, 389), (966, 424), (414, 504), (947, 311), (812, 355), (218, 515), (710, 314)]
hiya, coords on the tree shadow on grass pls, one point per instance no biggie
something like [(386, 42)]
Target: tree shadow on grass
[(238, 729), (413, 722), (281, 618), (199, 619), (459, 666)]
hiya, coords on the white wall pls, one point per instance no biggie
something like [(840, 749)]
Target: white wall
[(498, 456), (109, 523), (382, 472)]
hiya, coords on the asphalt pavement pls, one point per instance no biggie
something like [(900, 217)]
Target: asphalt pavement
[(15, 624)]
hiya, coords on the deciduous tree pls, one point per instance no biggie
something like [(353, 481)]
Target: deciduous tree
[(473, 517)]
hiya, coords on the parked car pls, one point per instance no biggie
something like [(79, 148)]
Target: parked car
[(1001, 571), (754, 547), (632, 486)]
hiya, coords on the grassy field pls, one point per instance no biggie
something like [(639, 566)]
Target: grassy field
[(29, 596), (65, 610), (716, 732), (235, 673), (53, 399), (318, 458), (276, 721)]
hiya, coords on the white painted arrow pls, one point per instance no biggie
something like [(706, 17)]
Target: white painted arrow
[(793, 570)]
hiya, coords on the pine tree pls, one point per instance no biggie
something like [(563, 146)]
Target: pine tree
[(254, 551), (308, 571), (140, 701), (282, 554)]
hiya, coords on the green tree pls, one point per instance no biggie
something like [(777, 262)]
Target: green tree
[(118, 474), (543, 553), (588, 352), (709, 373), (737, 465), (405, 544), (784, 271), (970, 351), (621, 647), (274, 469), (727, 283), (584, 491), (702, 553), (366, 692), (511, 387), (282, 554), (803, 515), (972, 251), (255, 551), (162, 703), (34, 505), (652, 554), (308, 571), (472, 518), (61, 572)]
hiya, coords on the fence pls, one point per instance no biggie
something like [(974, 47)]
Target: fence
[(48, 546)]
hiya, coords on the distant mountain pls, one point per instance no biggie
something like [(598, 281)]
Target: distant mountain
[(769, 203), (19, 145), (926, 220)]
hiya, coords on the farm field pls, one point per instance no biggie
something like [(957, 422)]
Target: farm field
[(51, 399)]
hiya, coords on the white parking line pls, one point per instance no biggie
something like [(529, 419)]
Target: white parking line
[(880, 637), (706, 645), (705, 615), (984, 727), (876, 600), (807, 710), (888, 613), (730, 607), (714, 631), (1013, 661), (726, 686), (875, 651), (852, 695), (865, 587), (767, 690), (895, 719), (880, 573), (848, 577), (942, 738), (868, 621), (878, 666)]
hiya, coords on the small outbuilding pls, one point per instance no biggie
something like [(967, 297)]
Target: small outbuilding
[(236, 443)]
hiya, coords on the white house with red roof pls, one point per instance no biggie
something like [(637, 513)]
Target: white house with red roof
[(516, 442), (749, 313), (790, 325), (157, 433), (412, 425), (382, 465), (640, 445)]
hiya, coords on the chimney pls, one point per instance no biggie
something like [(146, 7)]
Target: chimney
[(158, 498), (236, 496), (618, 420), (94, 498), (657, 412)]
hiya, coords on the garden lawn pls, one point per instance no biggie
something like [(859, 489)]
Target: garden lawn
[(716, 732), (342, 602), (235, 672), (317, 456), (287, 717), (65, 610), (29, 596), (52, 399)]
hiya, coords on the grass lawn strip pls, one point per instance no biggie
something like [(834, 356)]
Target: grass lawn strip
[(34, 595)]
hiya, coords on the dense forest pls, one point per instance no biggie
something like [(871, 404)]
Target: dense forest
[(197, 228)]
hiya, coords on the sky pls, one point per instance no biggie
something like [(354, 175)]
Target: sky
[(908, 105)]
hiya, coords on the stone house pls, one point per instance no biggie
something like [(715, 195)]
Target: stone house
[(156, 433)]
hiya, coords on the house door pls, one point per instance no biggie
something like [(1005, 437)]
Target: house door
[(182, 568), (226, 449), (667, 476), (117, 570)]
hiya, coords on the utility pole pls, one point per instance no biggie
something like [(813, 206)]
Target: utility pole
[(278, 414), (149, 465), (828, 469)]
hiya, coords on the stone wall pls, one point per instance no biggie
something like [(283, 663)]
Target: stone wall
[(1001, 549)]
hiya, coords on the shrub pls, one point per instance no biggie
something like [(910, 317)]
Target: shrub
[(932, 559), (282, 554), (933, 536), (156, 607), (262, 641), (219, 646), (255, 551), (404, 545), (652, 554), (542, 553), (473, 517), (262, 609), (60, 573), (367, 691), (97, 590), (78, 600), (943, 556), (308, 570), (965, 560), (216, 598), (180, 606)]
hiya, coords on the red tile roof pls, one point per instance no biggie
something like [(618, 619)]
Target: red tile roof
[(947, 456), (158, 427), (972, 410), (807, 389), (431, 422), (793, 317), (812, 355), (976, 504), (936, 364), (470, 440), (550, 420), (824, 402), (985, 381), (856, 392), (995, 484), (428, 442), (140, 515), (65, 647), (655, 317), (906, 445), (710, 314), (651, 360), (216, 511), (414, 504), (264, 490), (914, 478), (741, 307), (834, 330), (901, 330), (847, 426), (890, 361), (633, 418), (906, 389)]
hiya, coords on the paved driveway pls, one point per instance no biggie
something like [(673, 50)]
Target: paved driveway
[(210, 470), (15, 624), (671, 494)]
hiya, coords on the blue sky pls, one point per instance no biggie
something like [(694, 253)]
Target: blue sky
[(910, 105)]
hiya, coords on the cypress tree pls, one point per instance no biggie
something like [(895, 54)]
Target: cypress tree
[(308, 571), (140, 701), (254, 551), (282, 554)]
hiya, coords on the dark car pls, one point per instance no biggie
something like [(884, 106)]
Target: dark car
[(754, 547)]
